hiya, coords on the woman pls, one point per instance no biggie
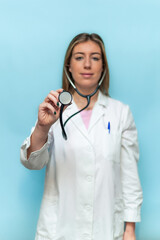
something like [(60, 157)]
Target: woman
[(92, 186)]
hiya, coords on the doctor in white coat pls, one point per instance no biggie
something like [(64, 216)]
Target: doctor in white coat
[(92, 188)]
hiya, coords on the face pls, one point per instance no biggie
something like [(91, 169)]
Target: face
[(86, 65)]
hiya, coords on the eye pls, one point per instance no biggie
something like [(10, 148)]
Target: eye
[(79, 58), (96, 58)]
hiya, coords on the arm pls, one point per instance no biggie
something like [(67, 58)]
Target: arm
[(131, 188), (34, 151), (47, 115), (38, 138)]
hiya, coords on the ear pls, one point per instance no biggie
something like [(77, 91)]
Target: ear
[(70, 69)]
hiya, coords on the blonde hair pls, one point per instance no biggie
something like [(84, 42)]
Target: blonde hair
[(84, 37)]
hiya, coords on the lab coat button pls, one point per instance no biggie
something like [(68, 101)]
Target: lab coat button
[(88, 207), (89, 178)]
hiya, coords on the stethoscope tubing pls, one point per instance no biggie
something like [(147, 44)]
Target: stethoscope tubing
[(88, 97), (88, 102)]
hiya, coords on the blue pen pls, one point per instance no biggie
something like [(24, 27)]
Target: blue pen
[(109, 127)]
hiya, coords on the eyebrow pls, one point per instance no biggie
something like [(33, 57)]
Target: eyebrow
[(84, 53)]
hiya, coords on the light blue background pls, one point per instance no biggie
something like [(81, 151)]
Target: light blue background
[(34, 35)]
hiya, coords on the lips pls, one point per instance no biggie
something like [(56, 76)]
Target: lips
[(87, 75)]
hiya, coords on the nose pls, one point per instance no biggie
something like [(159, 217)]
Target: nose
[(87, 63)]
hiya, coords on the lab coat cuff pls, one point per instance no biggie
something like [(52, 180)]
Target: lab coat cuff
[(132, 215), (29, 163)]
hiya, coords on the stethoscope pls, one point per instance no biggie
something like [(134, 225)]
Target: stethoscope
[(65, 98)]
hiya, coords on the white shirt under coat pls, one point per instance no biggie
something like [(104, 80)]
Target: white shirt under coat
[(91, 185)]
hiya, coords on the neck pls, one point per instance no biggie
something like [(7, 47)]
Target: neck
[(81, 102)]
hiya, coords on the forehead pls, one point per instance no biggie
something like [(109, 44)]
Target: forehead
[(87, 47)]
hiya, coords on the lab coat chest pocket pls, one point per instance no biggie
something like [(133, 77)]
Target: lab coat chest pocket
[(111, 145)]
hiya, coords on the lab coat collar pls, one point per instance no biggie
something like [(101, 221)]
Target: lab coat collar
[(102, 100), (98, 110)]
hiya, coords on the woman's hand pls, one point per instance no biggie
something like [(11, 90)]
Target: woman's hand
[(49, 109), (48, 114), (129, 233)]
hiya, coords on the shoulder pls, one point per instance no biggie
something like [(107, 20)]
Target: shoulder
[(117, 110), (115, 105)]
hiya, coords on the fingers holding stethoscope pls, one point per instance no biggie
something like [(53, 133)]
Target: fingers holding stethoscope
[(52, 98), (49, 109)]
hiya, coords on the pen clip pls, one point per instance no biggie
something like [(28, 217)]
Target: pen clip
[(109, 127)]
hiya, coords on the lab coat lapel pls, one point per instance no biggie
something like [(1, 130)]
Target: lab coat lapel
[(98, 110)]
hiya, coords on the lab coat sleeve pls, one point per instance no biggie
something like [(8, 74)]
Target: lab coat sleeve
[(38, 159), (131, 188)]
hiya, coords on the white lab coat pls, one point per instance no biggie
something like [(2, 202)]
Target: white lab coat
[(91, 185)]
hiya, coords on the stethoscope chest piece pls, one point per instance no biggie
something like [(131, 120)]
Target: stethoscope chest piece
[(65, 98)]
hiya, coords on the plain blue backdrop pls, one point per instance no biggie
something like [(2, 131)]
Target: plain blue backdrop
[(34, 35)]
